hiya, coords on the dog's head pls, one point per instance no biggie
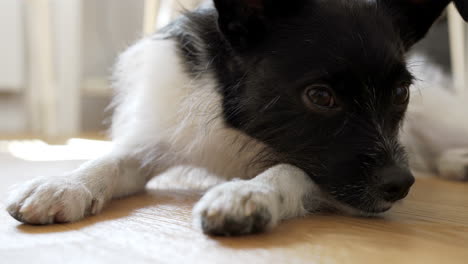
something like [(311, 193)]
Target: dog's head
[(324, 83)]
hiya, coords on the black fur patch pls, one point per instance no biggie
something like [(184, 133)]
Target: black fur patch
[(264, 59)]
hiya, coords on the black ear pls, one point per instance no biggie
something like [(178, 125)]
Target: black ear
[(462, 6), (414, 18), (243, 22)]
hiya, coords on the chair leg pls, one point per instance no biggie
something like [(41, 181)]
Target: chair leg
[(457, 49), (150, 15)]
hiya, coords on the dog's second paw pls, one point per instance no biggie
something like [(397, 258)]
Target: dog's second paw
[(453, 165), (236, 208), (51, 200)]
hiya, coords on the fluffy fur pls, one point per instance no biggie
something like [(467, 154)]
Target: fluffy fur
[(223, 89), (436, 128)]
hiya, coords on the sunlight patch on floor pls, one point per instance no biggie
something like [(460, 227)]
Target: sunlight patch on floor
[(38, 150)]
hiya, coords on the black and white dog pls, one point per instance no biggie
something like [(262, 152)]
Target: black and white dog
[(301, 99)]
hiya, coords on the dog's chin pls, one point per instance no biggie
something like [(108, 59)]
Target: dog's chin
[(377, 208)]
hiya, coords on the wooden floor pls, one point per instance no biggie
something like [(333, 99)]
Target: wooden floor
[(431, 226)]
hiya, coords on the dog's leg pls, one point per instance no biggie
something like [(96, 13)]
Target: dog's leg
[(82, 192), (453, 164), (249, 206)]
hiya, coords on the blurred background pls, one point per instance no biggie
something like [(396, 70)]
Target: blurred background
[(56, 57)]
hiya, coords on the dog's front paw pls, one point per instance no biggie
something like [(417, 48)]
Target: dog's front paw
[(51, 200), (236, 208)]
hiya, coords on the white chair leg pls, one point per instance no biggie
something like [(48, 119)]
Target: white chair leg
[(457, 49), (165, 13), (158, 13), (150, 15)]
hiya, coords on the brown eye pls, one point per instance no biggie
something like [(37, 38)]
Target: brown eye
[(401, 95), (320, 96)]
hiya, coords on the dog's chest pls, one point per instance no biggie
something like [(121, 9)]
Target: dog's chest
[(203, 139)]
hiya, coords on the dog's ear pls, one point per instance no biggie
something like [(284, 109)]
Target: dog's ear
[(414, 18), (244, 22), (462, 6)]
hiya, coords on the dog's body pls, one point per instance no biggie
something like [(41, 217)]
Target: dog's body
[(205, 96), (435, 129)]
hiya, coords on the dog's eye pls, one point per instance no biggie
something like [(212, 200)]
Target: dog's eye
[(320, 96), (401, 95)]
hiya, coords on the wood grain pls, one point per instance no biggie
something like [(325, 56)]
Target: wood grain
[(431, 226)]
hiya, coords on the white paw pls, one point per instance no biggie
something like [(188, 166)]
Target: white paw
[(453, 165), (51, 200), (237, 208)]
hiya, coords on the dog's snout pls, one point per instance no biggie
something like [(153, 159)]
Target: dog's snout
[(395, 183)]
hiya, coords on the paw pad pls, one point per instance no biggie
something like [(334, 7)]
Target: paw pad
[(220, 224)]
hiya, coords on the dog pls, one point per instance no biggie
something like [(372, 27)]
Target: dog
[(301, 101)]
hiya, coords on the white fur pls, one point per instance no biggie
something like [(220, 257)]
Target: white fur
[(280, 192), (435, 132), (162, 109), (48, 200)]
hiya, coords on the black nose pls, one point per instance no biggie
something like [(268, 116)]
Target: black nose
[(395, 183)]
